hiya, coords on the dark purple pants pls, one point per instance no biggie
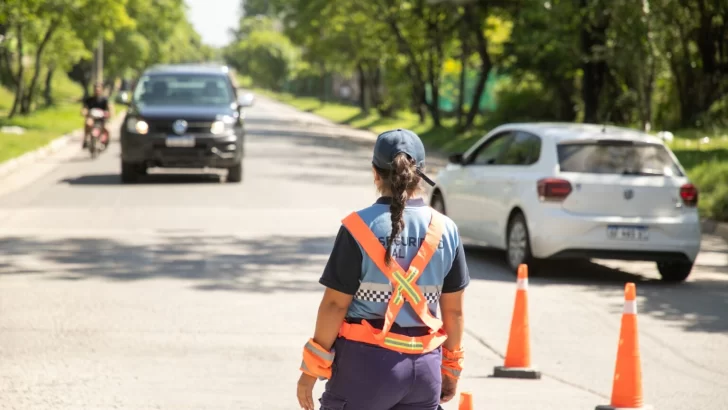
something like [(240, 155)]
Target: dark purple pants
[(367, 377)]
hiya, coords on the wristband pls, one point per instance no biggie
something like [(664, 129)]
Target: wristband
[(452, 362), (317, 361)]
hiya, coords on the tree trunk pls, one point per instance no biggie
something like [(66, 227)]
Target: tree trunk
[(475, 22), (418, 80), (593, 34), (48, 89), (30, 95), (323, 95), (363, 89), (565, 91), (19, 77), (464, 54), (6, 65), (434, 105), (375, 87), (648, 84)]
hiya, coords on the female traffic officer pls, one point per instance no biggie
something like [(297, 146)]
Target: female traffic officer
[(378, 340)]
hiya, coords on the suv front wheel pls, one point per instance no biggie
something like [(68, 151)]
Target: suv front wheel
[(131, 172), (235, 173)]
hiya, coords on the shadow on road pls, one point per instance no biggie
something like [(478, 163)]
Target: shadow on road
[(700, 304), (115, 179), (268, 264)]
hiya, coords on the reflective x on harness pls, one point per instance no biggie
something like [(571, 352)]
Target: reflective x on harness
[(404, 286)]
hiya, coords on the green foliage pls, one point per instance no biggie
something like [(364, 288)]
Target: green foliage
[(523, 100), (711, 178), (62, 35), (266, 56)]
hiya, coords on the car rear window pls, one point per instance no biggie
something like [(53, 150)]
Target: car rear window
[(616, 157)]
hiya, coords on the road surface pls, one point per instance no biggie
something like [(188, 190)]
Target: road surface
[(182, 292)]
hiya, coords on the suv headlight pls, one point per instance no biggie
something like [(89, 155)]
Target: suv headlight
[(137, 126), (222, 126)]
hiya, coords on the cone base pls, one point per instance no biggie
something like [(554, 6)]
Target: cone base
[(516, 372), (606, 407)]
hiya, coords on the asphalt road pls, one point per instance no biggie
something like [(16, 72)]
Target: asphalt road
[(182, 292)]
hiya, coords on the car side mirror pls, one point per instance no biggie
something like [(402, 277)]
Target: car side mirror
[(123, 98), (246, 100), (456, 159)]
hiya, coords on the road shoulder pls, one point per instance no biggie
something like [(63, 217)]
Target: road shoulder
[(23, 170)]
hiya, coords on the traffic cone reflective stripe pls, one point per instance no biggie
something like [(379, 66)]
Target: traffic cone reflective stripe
[(518, 354), (627, 383)]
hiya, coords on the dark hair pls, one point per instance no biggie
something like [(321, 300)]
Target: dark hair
[(401, 181)]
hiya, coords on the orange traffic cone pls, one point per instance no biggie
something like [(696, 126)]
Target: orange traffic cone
[(466, 401), (518, 356), (627, 386)]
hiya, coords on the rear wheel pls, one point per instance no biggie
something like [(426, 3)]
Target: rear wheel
[(674, 271), (518, 244), (235, 173)]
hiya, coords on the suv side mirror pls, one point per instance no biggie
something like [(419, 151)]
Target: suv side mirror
[(246, 100), (123, 98), (456, 159)]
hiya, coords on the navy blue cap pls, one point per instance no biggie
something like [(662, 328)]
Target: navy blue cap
[(394, 142)]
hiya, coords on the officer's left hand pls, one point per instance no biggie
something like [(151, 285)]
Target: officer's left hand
[(305, 391)]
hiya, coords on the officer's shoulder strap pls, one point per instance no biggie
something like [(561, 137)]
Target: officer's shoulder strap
[(368, 241)]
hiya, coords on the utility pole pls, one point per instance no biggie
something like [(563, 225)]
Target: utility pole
[(100, 61)]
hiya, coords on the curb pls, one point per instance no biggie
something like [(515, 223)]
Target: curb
[(12, 165), (712, 227)]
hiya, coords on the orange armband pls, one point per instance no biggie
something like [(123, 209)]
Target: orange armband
[(317, 361), (452, 362)]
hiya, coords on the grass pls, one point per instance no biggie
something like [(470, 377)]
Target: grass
[(703, 154), (43, 125)]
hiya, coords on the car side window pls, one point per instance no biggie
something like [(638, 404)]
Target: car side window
[(524, 150), (488, 153)]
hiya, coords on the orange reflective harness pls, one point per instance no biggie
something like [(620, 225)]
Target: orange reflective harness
[(317, 361), (404, 288)]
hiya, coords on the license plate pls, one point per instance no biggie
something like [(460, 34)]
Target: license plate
[(628, 233), (180, 142)]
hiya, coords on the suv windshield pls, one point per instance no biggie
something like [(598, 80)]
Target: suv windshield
[(616, 157), (183, 89)]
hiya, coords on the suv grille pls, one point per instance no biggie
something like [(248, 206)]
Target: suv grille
[(165, 126)]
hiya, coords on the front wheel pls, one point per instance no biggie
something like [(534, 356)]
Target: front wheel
[(235, 173), (130, 172), (674, 271), (93, 147), (518, 244)]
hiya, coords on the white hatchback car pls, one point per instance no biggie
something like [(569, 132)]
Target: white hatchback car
[(563, 190)]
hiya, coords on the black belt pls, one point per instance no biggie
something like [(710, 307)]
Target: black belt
[(414, 331)]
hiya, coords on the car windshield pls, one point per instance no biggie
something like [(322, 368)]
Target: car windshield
[(616, 157), (179, 89)]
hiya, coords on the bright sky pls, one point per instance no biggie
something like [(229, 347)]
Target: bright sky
[(213, 19)]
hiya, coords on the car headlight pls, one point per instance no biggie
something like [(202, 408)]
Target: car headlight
[(218, 127), (137, 126)]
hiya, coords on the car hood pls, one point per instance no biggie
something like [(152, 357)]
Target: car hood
[(200, 113)]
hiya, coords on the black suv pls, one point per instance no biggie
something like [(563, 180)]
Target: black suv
[(184, 116)]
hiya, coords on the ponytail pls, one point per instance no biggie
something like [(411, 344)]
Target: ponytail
[(402, 181)]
